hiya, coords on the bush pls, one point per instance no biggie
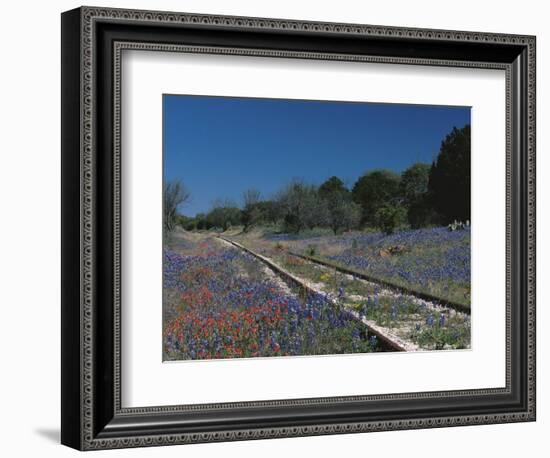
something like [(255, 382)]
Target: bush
[(390, 217), (223, 216), (311, 250)]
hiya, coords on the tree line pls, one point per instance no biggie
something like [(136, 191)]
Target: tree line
[(422, 195)]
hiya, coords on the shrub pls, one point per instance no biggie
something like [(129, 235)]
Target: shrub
[(223, 216), (390, 217), (311, 250)]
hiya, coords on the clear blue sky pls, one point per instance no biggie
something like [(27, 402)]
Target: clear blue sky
[(221, 146)]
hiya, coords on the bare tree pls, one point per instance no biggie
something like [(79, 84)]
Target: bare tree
[(251, 197), (251, 213), (175, 195), (301, 207), (344, 214)]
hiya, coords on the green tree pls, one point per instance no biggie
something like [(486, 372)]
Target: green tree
[(183, 221), (191, 224), (374, 190), (414, 182), (449, 181), (343, 213), (223, 215), (200, 219), (332, 186), (270, 211), (414, 192)]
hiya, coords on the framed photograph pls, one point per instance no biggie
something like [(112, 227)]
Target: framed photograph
[(276, 228)]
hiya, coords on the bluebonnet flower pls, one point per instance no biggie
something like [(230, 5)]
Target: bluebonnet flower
[(430, 320), (341, 293), (373, 341)]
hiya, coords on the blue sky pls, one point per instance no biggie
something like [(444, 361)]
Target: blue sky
[(221, 146)]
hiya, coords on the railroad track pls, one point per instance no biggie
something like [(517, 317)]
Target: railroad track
[(386, 337), (389, 285)]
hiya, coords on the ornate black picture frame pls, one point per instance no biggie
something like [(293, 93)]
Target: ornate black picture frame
[(92, 42)]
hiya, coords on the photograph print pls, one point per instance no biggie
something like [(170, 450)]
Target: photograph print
[(310, 227)]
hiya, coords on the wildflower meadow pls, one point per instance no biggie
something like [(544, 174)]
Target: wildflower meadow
[(222, 304)]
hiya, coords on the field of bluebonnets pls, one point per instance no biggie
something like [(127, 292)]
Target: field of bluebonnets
[(221, 303), (430, 260), (435, 260)]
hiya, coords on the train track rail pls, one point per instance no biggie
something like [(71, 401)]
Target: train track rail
[(385, 337), (389, 285)]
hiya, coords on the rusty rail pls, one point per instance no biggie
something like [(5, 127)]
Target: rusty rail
[(387, 339), (392, 286)]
